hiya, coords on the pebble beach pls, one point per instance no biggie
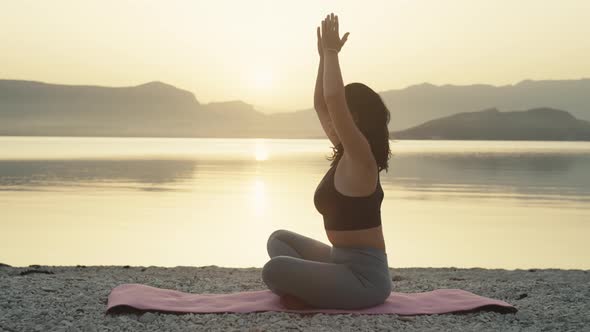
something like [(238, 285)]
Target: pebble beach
[(73, 298)]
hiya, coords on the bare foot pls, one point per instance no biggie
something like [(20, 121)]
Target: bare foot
[(292, 302)]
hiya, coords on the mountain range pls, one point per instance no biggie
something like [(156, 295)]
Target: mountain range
[(534, 124), (161, 110)]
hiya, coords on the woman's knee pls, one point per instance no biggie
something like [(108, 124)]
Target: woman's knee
[(276, 234), (275, 271), (278, 245), (281, 234)]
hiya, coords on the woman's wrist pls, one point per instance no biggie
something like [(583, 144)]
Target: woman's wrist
[(330, 53)]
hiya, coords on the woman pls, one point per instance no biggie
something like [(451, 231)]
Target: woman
[(353, 273)]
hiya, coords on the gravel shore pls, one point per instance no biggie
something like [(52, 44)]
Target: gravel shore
[(67, 298)]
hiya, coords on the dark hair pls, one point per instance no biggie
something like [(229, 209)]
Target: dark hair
[(372, 120)]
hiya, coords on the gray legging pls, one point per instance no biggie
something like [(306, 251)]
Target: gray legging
[(323, 276)]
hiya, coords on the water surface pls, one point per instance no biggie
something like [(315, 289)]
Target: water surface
[(168, 202)]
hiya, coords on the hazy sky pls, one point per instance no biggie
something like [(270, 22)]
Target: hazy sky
[(264, 52)]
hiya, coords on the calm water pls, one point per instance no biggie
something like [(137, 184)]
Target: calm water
[(168, 202)]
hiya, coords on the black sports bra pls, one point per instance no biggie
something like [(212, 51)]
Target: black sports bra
[(342, 212)]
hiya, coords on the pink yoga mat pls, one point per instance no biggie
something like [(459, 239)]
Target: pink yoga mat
[(439, 301)]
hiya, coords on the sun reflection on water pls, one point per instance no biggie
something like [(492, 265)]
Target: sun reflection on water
[(261, 150), (259, 197)]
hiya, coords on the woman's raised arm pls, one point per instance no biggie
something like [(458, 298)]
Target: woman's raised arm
[(354, 142), (318, 98)]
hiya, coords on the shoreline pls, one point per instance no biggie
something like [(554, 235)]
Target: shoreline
[(392, 270), (321, 137), (73, 298)]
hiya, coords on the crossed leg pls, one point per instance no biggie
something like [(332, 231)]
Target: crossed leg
[(300, 271), (287, 243)]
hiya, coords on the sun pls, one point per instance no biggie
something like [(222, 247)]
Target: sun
[(260, 150), (262, 80)]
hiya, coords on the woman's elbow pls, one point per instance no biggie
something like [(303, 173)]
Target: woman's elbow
[(336, 99), (333, 93), (320, 106)]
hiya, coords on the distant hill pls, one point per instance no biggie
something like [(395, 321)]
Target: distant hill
[(417, 104), (152, 109), (34, 108), (491, 124), (420, 103), (161, 110)]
